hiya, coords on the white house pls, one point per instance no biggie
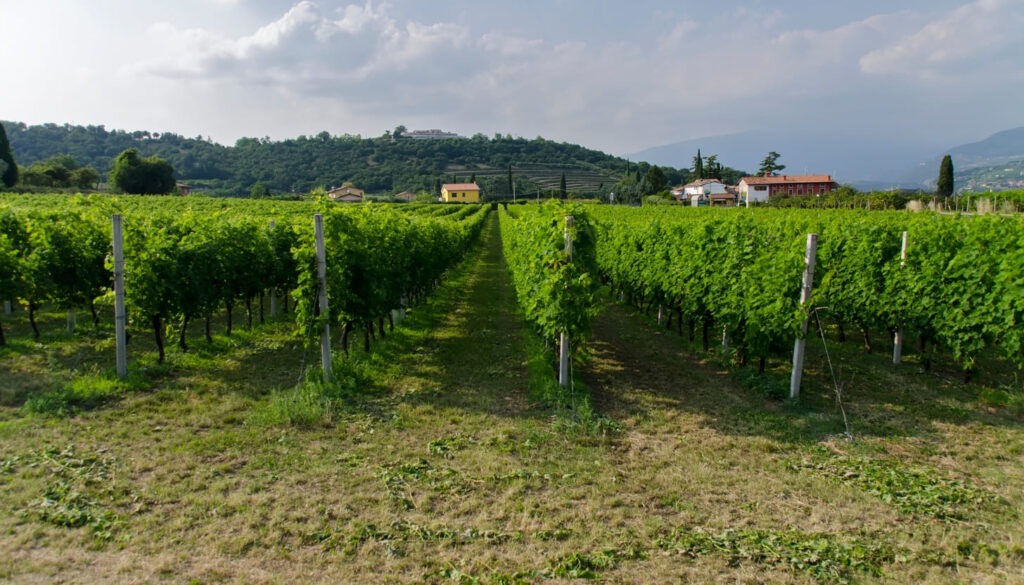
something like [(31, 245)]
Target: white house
[(703, 188)]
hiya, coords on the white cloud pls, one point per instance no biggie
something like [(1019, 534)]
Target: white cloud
[(509, 45), (954, 43), (304, 47), (372, 65)]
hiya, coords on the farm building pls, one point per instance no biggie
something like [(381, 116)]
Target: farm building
[(407, 196), (346, 194), (758, 189), (460, 193), (703, 188)]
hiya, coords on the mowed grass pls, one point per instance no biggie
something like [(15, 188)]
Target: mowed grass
[(435, 464)]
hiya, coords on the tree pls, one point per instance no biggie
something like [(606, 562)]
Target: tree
[(698, 166), (944, 188), (769, 166), (712, 168), (561, 186), (84, 178), (142, 176), (656, 180), (399, 131), (259, 191), (8, 168)]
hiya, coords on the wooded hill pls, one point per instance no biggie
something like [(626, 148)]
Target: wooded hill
[(383, 165)]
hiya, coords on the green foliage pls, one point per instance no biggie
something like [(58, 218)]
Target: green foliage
[(60, 172), (912, 491), (944, 186), (827, 558), (79, 492), (259, 191), (960, 285), (8, 168), (770, 166), (141, 176), (381, 165), (82, 393), (378, 256), (656, 180), (741, 273), (555, 291)]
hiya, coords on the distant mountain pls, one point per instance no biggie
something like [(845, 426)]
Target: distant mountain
[(849, 159), (865, 162), (995, 163)]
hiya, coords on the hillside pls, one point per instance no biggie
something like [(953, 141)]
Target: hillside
[(380, 165), (993, 164), (851, 160)]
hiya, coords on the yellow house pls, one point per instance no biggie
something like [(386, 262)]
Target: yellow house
[(460, 193)]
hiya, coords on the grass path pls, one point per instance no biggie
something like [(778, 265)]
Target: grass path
[(440, 470)]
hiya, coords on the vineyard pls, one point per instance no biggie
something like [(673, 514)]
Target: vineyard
[(537, 180), (444, 446), (197, 261), (957, 283)]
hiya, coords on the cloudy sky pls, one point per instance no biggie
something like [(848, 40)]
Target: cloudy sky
[(614, 75)]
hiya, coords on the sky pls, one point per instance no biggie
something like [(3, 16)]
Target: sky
[(615, 76)]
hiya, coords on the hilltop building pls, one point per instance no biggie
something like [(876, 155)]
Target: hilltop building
[(431, 134)]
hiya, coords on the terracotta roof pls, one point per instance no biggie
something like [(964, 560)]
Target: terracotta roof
[(345, 189), (787, 179), (460, 187)]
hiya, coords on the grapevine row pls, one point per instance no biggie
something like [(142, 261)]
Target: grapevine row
[(960, 284), (182, 265), (556, 292)]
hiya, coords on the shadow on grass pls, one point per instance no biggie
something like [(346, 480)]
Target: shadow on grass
[(637, 367)]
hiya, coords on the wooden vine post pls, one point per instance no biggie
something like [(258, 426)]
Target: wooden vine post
[(897, 342), (563, 346), (805, 298), (321, 271), (120, 315)]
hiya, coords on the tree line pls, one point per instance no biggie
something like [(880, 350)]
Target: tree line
[(389, 163)]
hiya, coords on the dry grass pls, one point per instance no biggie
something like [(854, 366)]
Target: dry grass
[(441, 470)]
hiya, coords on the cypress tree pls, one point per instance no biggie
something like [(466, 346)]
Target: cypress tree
[(698, 165), (10, 168), (944, 188), (561, 186)]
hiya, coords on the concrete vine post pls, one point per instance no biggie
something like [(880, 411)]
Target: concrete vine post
[(563, 346), (805, 297), (321, 271), (897, 342), (120, 315), (273, 289)]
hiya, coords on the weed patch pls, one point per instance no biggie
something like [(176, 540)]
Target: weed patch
[(822, 556), (590, 565), (316, 401), (79, 491), (913, 491), (400, 479)]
